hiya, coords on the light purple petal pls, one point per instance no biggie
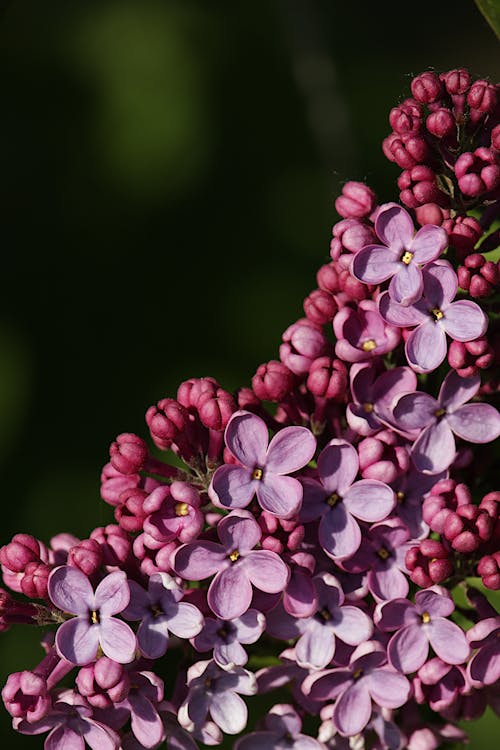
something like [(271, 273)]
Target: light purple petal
[(230, 654), (413, 411), (388, 583), (249, 626), (476, 423), (328, 685), (407, 284), (440, 284), (338, 465), (388, 689), (434, 449), (281, 496), (315, 647), (152, 637), (117, 640), (77, 641), (408, 648), (198, 560), (484, 667), (399, 315), (394, 227), (448, 640), (187, 621), (112, 594), (145, 720), (139, 603), (436, 604), (361, 421), (64, 738), (428, 244), (247, 438), (230, 593), (390, 385), (70, 590), (232, 486), (456, 391), (362, 377), (351, 625), (370, 500), (374, 264), (353, 709), (229, 712), (100, 737), (290, 449), (266, 570), (464, 321), (339, 533), (426, 346), (239, 531), (257, 741), (394, 614)]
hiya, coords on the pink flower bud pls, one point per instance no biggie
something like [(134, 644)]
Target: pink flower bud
[(431, 213), (456, 81), (328, 278), (114, 483), (426, 87), (406, 117), (477, 172), (128, 453), (464, 232), (320, 307), (407, 150), (357, 200), (418, 187), (104, 683), (25, 696), (86, 556), (273, 381), (215, 410), (22, 550), (495, 138), (191, 392), (114, 542), (482, 96), (441, 123), (303, 342), (34, 580), (328, 378), (489, 570), (165, 421)]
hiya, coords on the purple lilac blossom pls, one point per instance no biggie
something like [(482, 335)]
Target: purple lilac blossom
[(262, 468), (78, 639), (411, 489), (484, 667), (282, 731), (439, 420), (400, 256), (338, 500), (161, 610), (235, 564), (374, 394), (362, 334), (434, 316), (366, 681), (420, 625), (226, 636)]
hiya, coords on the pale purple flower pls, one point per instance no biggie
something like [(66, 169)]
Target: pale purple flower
[(400, 256), (161, 611), (411, 489), (438, 684), (263, 466), (435, 315), (333, 619), (420, 625), (440, 420), (216, 692), (235, 565), (338, 500), (374, 394), (71, 726), (226, 636), (79, 638), (173, 512), (362, 334), (484, 667), (282, 731), (366, 681)]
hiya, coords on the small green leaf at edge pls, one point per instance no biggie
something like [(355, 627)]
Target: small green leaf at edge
[(491, 11)]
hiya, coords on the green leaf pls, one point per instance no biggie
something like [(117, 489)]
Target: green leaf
[(491, 11)]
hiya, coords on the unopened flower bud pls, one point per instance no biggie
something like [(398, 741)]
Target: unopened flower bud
[(426, 87), (128, 453), (357, 200)]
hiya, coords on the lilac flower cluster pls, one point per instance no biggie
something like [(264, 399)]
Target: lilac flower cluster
[(317, 537)]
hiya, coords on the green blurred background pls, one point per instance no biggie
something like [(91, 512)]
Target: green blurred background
[(168, 177)]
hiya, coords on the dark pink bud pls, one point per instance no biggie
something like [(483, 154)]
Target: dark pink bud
[(456, 81), (464, 232), (247, 399), (479, 287), (13, 611), (357, 200), (86, 556), (482, 96), (128, 453), (165, 421), (320, 307), (495, 138), (303, 342), (353, 289), (34, 580), (407, 150), (130, 513), (273, 381), (406, 117), (431, 213), (22, 550), (477, 172), (489, 570), (328, 378), (191, 392), (426, 87), (216, 410), (328, 278), (104, 683), (444, 497), (441, 123), (25, 696), (418, 187), (114, 542)]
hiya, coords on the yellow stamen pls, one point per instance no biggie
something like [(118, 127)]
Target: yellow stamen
[(357, 674), (234, 555), (333, 499), (257, 473), (383, 553), (325, 614), (426, 617), (368, 408), (94, 618), (438, 314), (400, 496), (369, 345), (156, 610), (181, 509), (407, 258), (439, 412)]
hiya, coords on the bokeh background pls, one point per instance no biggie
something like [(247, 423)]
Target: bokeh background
[(168, 174)]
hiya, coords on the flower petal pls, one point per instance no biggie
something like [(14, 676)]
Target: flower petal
[(353, 709), (187, 621), (152, 637), (232, 486), (112, 594), (99, 737), (370, 500), (448, 640), (399, 315), (290, 449), (455, 391), (351, 625), (315, 647), (247, 438), (428, 244), (117, 640), (413, 411), (64, 738), (440, 284), (266, 571), (239, 531), (198, 560), (434, 449), (395, 227), (229, 712), (388, 689), (408, 648), (339, 533), (338, 465), (407, 284), (145, 720), (230, 593), (426, 347), (70, 590), (77, 640), (476, 423), (464, 320), (281, 496), (374, 264)]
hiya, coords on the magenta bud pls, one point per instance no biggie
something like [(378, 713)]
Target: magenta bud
[(114, 542), (128, 453), (464, 232), (26, 697), (320, 307), (216, 410), (327, 378), (407, 150), (456, 81), (482, 96), (328, 278), (130, 513), (191, 392), (489, 570), (441, 123), (104, 683), (303, 342), (430, 213), (418, 187), (34, 581), (477, 172), (357, 200), (273, 381), (86, 556), (426, 87), (406, 117), (165, 421), (23, 549), (113, 484), (495, 138)]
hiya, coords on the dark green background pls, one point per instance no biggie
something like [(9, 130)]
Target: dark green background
[(168, 176)]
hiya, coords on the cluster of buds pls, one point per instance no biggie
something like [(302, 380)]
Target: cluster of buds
[(306, 536)]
